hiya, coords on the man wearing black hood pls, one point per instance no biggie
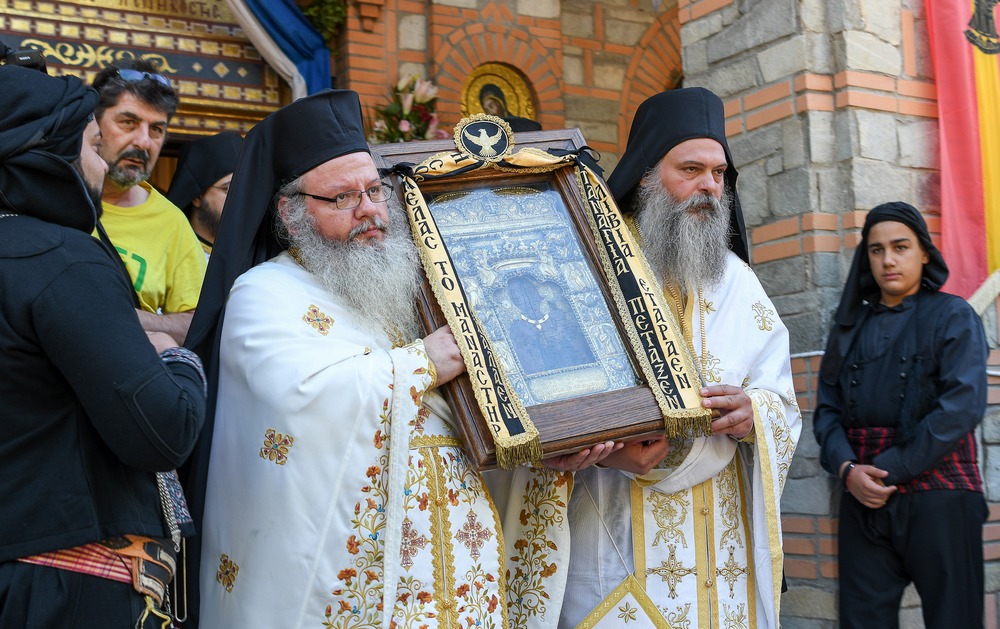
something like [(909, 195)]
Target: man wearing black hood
[(94, 420), (902, 389), (688, 531), (201, 182)]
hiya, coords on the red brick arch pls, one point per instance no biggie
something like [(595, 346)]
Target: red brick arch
[(655, 66), (458, 53)]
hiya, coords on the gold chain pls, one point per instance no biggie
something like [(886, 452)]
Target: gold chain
[(687, 331)]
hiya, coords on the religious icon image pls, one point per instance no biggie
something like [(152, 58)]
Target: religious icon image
[(550, 338), (511, 246), (500, 90), (493, 100)]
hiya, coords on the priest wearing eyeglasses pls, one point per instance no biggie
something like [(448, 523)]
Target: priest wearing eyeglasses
[(153, 238)]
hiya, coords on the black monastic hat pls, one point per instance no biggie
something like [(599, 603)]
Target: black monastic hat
[(283, 146), (200, 164)]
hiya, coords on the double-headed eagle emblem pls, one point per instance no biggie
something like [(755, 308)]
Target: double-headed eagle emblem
[(484, 138)]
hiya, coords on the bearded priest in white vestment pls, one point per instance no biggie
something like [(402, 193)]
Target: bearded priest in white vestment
[(686, 533), (338, 492)]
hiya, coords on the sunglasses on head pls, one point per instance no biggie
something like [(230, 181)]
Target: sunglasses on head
[(134, 76)]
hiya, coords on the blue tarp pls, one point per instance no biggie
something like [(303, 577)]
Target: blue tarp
[(297, 38)]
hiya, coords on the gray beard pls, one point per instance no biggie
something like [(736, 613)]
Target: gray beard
[(126, 177), (686, 241), (378, 282)]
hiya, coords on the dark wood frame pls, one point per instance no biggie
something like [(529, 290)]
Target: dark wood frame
[(565, 426)]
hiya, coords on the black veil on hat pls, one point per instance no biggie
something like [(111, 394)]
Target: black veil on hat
[(42, 119), (283, 146), (662, 122), (201, 163), (861, 286)]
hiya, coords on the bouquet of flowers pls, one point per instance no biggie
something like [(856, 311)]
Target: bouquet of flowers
[(410, 114)]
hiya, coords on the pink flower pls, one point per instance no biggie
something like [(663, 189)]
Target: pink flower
[(424, 91), (405, 126), (432, 128), (407, 104)]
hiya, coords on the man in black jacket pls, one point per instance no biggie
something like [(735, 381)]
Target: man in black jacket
[(96, 414)]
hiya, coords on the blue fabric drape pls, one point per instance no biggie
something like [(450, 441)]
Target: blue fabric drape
[(297, 38)]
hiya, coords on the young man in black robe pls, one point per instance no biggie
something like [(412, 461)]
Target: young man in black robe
[(902, 389)]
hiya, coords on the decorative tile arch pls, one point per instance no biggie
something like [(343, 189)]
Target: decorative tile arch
[(655, 66), (468, 47)]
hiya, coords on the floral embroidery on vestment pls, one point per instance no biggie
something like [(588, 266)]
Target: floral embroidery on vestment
[(669, 511), (678, 619), (711, 367), (227, 572), (729, 499), (736, 618), (276, 446), (764, 317), (532, 562), (318, 320)]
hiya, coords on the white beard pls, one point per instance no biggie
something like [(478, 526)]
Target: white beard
[(377, 281), (686, 242)]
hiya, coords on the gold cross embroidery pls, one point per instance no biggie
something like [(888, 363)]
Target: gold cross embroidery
[(671, 571), (731, 571)]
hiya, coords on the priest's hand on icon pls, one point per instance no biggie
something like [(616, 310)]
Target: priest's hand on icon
[(443, 351), (584, 458), (735, 411), (639, 457)]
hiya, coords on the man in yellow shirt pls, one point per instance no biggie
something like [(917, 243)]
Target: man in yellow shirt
[(154, 239)]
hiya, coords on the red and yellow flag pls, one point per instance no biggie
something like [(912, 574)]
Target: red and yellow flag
[(964, 50)]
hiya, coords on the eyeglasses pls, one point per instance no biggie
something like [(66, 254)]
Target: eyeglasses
[(350, 199), (134, 76)]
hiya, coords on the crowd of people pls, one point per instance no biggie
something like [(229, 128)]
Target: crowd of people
[(229, 398)]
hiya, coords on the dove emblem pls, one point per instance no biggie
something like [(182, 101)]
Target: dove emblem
[(485, 142), (484, 138)]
